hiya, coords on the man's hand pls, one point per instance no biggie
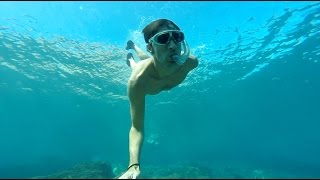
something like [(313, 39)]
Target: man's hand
[(131, 173)]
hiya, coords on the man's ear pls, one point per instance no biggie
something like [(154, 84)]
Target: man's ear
[(149, 48)]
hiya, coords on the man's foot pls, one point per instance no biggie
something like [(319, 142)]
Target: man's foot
[(129, 55), (130, 45)]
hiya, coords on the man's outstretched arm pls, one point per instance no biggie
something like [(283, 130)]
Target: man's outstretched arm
[(136, 134)]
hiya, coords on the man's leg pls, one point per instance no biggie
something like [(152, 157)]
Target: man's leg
[(141, 54), (130, 61)]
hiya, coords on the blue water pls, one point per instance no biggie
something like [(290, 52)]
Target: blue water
[(253, 102)]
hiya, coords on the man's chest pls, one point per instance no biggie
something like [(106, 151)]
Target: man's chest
[(155, 86)]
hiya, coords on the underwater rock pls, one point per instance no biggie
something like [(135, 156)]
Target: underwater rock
[(176, 172), (94, 170)]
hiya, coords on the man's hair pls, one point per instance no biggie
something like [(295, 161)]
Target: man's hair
[(153, 28)]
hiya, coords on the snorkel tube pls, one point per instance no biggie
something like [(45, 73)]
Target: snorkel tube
[(185, 52)]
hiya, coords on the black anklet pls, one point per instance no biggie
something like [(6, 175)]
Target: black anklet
[(136, 164)]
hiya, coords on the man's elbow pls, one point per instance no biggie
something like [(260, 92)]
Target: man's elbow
[(194, 63)]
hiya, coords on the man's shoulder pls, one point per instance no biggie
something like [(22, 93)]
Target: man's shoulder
[(192, 62), (136, 86), (138, 75), (140, 69), (134, 80)]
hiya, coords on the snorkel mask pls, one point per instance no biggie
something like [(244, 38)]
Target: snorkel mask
[(164, 37)]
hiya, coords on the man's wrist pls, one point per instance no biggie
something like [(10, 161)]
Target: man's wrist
[(133, 165)]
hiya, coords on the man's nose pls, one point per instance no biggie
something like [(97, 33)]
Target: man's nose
[(172, 44)]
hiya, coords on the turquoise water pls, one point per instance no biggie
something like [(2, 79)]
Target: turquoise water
[(253, 102)]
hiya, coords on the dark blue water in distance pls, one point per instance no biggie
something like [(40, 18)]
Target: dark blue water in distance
[(253, 102)]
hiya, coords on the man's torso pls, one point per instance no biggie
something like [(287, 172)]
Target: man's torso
[(150, 84)]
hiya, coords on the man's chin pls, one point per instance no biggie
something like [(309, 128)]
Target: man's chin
[(172, 62)]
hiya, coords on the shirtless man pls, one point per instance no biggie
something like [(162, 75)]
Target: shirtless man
[(165, 69)]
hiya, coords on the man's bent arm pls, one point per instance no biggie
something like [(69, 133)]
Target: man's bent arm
[(136, 134)]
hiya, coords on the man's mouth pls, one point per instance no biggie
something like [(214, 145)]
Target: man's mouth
[(173, 58), (173, 54)]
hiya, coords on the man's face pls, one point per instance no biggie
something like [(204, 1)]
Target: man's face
[(164, 53)]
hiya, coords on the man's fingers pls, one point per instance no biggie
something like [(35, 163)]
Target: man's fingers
[(134, 176), (129, 175)]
